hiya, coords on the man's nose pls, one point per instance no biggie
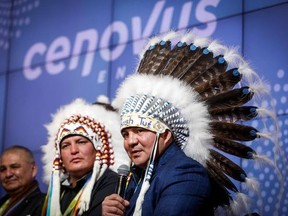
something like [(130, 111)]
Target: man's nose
[(74, 148), (8, 173), (132, 139)]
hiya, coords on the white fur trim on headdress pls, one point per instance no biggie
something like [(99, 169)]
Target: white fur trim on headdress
[(186, 101)]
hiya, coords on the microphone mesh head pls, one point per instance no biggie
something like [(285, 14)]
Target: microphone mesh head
[(123, 170)]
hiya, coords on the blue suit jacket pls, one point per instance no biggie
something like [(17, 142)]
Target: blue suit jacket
[(179, 186)]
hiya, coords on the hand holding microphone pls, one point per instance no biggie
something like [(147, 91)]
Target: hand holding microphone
[(115, 204), (123, 171)]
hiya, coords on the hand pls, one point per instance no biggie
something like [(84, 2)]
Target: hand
[(114, 205)]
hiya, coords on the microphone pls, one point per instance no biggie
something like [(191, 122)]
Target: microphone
[(123, 171)]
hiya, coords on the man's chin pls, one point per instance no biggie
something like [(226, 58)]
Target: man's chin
[(140, 163), (11, 188), (79, 170)]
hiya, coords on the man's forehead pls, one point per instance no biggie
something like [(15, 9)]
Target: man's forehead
[(74, 138), (14, 156), (11, 158), (17, 152), (134, 128)]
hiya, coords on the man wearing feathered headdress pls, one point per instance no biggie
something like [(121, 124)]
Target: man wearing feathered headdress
[(82, 152), (179, 113), (179, 185)]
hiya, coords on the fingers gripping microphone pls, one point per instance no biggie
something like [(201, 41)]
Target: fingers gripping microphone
[(123, 171)]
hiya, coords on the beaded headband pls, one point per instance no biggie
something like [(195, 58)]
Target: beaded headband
[(154, 114), (137, 120)]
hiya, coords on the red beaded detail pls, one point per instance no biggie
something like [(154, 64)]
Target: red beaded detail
[(105, 154), (57, 163)]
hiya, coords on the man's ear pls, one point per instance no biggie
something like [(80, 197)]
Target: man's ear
[(34, 170), (167, 136)]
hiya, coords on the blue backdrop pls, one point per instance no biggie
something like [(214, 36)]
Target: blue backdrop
[(54, 51)]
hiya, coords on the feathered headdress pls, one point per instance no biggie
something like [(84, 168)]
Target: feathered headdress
[(97, 124), (199, 90)]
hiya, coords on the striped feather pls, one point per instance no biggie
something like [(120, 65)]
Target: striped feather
[(235, 97), (177, 55), (220, 194), (215, 70), (148, 58), (233, 148), (222, 83), (228, 166), (234, 114), (233, 131), (218, 175), (157, 62), (202, 64), (187, 62)]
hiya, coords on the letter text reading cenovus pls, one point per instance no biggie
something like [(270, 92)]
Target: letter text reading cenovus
[(63, 54)]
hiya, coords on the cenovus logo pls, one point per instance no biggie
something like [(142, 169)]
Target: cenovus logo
[(63, 54)]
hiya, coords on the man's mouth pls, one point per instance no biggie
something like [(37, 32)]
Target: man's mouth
[(76, 160), (136, 152), (10, 181)]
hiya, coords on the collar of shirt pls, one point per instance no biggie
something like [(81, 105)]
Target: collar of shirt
[(79, 184)]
